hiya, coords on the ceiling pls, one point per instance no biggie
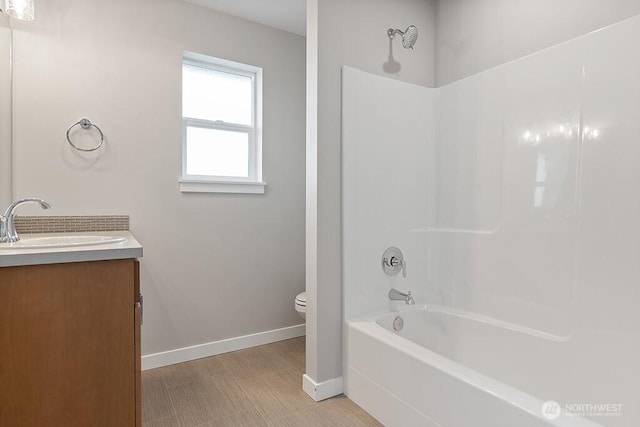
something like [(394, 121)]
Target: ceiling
[(287, 15)]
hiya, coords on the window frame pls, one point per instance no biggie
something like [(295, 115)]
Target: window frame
[(227, 184)]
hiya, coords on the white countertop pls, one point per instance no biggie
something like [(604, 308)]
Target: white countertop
[(130, 248)]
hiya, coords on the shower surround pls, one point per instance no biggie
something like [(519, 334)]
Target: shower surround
[(515, 197)]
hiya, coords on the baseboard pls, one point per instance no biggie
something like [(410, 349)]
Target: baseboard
[(323, 390), (186, 354)]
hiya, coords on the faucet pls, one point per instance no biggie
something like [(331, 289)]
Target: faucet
[(396, 295), (393, 261), (8, 233)]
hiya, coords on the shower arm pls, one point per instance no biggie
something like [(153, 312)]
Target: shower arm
[(392, 33)]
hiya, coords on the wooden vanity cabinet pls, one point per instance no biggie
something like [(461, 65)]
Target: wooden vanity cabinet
[(70, 345)]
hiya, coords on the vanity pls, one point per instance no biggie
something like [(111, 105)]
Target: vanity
[(70, 316)]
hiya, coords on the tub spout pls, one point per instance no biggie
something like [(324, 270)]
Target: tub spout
[(396, 295)]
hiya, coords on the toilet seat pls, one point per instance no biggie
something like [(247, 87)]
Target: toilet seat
[(301, 304)]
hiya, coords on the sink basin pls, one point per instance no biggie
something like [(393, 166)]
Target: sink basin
[(63, 241)]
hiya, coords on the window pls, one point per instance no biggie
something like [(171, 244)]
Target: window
[(221, 126)]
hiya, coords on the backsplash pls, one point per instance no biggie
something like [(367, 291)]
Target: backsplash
[(61, 224)]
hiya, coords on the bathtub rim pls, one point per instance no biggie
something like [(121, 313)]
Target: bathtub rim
[(469, 315)]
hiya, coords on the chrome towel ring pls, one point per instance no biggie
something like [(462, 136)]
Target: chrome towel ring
[(86, 125)]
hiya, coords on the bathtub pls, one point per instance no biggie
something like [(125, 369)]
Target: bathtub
[(421, 376)]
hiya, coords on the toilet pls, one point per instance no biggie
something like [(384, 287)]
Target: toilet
[(301, 304)]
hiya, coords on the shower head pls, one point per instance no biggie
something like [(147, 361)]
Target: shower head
[(409, 36)]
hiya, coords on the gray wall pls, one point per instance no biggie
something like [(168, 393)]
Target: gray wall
[(215, 266), (349, 33), (474, 35)]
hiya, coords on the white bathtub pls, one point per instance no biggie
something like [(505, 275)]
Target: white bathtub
[(441, 370)]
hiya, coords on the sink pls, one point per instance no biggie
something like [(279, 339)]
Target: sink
[(63, 241)]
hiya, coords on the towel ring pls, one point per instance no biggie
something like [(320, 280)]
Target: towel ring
[(86, 125)]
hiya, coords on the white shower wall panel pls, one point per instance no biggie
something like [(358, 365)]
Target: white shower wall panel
[(607, 288), (469, 153), (384, 197), (563, 257)]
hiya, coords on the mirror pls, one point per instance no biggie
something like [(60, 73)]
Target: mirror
[(5, 113)]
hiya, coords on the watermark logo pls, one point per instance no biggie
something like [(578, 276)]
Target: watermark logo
[(552, 409)]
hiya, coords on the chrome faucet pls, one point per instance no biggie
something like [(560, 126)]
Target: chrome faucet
[(396, 295), (8, 233), (393, 261)]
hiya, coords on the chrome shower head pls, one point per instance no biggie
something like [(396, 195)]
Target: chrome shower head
[(409, 37)]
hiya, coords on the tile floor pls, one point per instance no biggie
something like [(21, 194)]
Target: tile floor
[(259, 386)]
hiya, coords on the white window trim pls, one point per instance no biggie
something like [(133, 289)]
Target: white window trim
[(252, 184), (200, 186)]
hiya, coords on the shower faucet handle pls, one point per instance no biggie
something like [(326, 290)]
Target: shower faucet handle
[(393, 261)]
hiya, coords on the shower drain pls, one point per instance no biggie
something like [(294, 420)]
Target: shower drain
[(398, 323)]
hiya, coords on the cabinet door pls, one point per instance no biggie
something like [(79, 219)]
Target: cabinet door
[(67, 345)]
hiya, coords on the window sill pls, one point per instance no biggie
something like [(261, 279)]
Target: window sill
[(195, 186)]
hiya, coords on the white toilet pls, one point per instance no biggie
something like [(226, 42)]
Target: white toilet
[(301, 304)]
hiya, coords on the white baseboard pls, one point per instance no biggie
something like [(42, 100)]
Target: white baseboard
[(186, 354), (323, 390)]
